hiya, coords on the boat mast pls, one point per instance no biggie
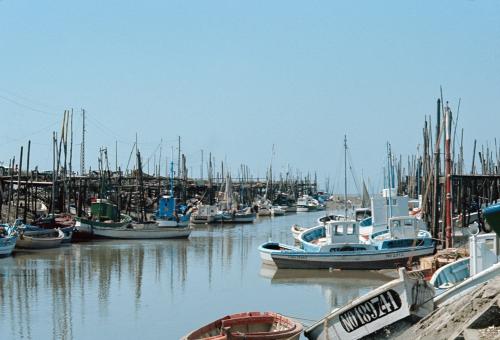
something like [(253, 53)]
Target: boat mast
[(345, 176), (172, 178), (389, 174)]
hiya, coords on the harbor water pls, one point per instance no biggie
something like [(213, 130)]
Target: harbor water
[(163, 289)]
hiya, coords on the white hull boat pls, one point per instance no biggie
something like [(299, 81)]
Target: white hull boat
[(143, 231), (277, 211), (379, 308), (268, 248)]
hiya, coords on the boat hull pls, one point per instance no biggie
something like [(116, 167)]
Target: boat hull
[(39, 240), (375, 310), (172, 224), (201, 219), (238, 218), (369, 260), (7, 245), (269, 248), (141, 232), (249, 326)]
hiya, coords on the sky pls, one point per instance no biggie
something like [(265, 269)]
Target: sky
[(235, 78)]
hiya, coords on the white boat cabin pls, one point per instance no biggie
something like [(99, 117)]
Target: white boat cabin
[(207, 210), (342, 232), (388, 205), (401, 227), (342, 236)]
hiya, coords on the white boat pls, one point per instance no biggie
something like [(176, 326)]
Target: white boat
[(8, 238), (143, 231), (268, 248), (383, 207), (236, 216), (330, 218), (263, 207), (277, 211), (40, 239), (457, 278), (307, 203), (394, 301), (204, 214), (337, 245)]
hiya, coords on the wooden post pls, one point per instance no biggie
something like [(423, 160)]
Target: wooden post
[(19, 182), (448, 206), (435, 206), (26, 204)]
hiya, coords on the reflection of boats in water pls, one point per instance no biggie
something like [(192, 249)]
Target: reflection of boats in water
[(337, 287), (324, 276)]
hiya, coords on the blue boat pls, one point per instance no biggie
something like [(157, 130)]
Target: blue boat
[(168, 213), (492, 216), (8, 238), (337, 245)]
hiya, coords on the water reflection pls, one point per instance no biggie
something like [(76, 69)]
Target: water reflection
[(141, 289), (338, 287)]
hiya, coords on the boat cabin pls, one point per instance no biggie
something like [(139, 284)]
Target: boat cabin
[(388, 205), (403, 227), (342, 232), (166, 207), (207, 210)]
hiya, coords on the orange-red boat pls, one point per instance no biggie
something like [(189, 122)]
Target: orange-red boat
[(249, 326)]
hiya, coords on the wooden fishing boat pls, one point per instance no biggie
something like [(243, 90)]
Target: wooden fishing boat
[(67, 231), (103, 214), (137, 231), (8, 238), (268, 248), (249, 326), (40, 239), (337, 245)]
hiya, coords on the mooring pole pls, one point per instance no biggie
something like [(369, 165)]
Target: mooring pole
[(447, 150), (435, 201)]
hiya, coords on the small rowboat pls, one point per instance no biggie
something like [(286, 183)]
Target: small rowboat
[(249, 326), (40, 239)]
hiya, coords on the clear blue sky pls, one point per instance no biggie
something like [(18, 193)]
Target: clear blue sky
[(235, 77)]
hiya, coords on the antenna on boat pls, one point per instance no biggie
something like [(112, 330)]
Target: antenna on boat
[(389, 174), (172, 174)]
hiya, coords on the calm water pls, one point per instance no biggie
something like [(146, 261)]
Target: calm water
[(163, 289)]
